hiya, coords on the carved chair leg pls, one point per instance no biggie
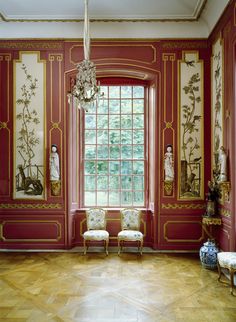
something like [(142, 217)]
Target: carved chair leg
[(85, 247), (118, 246), (231, 281), (141, 247), (106, 242), (219, 271)]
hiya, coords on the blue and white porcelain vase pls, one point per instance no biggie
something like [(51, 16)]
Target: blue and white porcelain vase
[(208, 254)]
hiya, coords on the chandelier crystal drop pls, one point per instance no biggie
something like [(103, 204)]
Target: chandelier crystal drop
[(86, 89)]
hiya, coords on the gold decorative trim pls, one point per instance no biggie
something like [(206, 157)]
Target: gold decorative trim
[(30, 206), (3, 125), (31, 45), (225, 212), (183, 240), (31, 239), (184, 45), (211, 221), (182, 206)]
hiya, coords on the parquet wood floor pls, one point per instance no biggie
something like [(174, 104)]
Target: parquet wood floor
[(69, 287)]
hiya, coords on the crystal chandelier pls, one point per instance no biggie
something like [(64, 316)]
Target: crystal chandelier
[(86, 89)]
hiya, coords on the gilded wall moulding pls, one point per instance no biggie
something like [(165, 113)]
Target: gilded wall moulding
[(30, 206), (31, 45), (182, 206), (184, 45), (225, 212)]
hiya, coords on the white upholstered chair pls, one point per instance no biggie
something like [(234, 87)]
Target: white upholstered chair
[(96, 228), (130, 228), (227, 260)]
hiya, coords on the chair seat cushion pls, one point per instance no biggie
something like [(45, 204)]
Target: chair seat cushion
[(227, 259), (96, 235), (130, 235)]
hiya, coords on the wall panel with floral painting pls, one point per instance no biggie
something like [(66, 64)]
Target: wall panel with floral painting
[(29, 127), (191, 146), (217, 100)]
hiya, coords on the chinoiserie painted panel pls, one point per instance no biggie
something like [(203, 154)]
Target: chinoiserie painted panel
[(217, 100), (29, 127), (191, 118)]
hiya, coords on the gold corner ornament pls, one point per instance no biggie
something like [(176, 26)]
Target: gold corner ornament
[(3, 125), (168, 186)]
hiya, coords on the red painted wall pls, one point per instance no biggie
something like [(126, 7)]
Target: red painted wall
[(58, 222)]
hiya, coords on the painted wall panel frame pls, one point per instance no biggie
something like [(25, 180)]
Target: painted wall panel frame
[(191, 126), (217, 99), (29, 117)]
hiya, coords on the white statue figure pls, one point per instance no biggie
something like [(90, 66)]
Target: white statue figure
[(169, 164), (223, 165), (54, 164)]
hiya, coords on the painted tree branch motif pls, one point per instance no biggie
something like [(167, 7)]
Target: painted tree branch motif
[(217, 129), (27, 139), (190, 145)]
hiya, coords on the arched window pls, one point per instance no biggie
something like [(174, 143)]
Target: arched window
[(114, 147)]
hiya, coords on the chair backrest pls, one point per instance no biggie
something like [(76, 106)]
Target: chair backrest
[(96, 219), (130, 219)]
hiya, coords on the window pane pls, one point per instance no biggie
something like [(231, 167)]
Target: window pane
[(138, 152), (114, 198), (126, 121), (89, 182), (114, 121), (114, 182), (114, 167), (102, 152), (138, 182), (126, 106), (138, 121), (102, 121), (138, 167), (138, 198), (90, 151), (89, 198), (104, 90), (138, 91), (102, 106), (126, 91), (126, 151), (126, 167), (138, 106), (102, 137), (126, 182), (126, 198), (102, 197), (138, 137), (114, 152), (126, 137), (114, 107), (89, 167), (102, 182), (90, 121), (114, 137), (114, 92), (90, 136), (102, 167)]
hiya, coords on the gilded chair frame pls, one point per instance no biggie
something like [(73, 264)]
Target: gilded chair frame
[(124, 227), (232, 271), (90, 228)]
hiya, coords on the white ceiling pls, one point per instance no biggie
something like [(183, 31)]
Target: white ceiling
[(110, 18)]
